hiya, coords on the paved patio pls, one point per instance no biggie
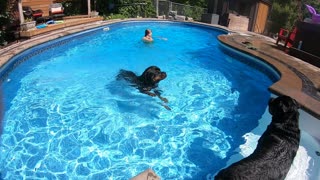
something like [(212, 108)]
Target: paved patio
[(299, 79)]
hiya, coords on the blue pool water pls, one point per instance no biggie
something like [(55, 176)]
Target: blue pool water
[(67, 117)]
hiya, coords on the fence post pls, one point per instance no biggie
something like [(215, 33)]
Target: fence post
[(157, 8), (170, 6), (89, 8)]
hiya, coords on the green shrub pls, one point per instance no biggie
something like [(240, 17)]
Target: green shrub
[(114, 16), (194, 12), (103, 6), (285, 13), (2, 37), (127, 8), (75, 7), (5, 21), (132, 9)]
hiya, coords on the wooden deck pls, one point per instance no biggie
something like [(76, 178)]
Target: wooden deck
[(67, 22)]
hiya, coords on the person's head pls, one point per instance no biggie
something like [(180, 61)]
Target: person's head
[(147, 32)]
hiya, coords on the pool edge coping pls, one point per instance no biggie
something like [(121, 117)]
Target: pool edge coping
[(289, 83)]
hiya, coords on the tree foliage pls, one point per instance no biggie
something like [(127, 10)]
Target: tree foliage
[(285, 13), (127, 8), (131, 9), (75, 7), (195, 12), (5, 21), (199, 3)]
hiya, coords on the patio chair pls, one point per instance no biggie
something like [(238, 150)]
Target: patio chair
[(315, 17), (32, 14), (56, 11), (287, 37)]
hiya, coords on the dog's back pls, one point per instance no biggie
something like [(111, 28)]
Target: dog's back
[(276, 147), (128, 76)]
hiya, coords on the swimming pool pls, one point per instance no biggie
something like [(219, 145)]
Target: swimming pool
[(67, 117)]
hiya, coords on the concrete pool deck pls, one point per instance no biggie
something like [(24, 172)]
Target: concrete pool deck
[(299, 79)]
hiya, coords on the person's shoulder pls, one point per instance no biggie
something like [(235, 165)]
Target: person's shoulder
[(147, 39)]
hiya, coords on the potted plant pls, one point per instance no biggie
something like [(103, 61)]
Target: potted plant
[(28, 24)]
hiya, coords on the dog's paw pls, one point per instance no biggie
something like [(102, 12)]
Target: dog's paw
[(151, 94), (167, 107), (164, 99)]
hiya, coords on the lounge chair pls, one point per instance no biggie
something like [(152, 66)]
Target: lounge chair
[(56, 11), (32, 14)]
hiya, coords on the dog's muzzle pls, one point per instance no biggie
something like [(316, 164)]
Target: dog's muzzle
[(163, 75)]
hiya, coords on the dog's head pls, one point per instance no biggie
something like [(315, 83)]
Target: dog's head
[(153, 75), (283, 105)]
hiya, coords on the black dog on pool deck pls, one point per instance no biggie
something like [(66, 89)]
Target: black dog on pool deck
[(146, 82), (276, 148)]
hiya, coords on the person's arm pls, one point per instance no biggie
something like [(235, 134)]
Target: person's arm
[(162, 38)]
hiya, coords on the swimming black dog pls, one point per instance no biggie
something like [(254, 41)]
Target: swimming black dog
[(276, 148), (146, 82)]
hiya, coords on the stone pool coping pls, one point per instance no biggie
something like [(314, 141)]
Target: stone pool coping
[(299, 79)]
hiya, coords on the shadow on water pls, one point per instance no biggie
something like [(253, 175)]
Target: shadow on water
[(204, 158), (129, 100), (252, 86)]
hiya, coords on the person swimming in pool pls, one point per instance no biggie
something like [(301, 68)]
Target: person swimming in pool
[(147, 36)]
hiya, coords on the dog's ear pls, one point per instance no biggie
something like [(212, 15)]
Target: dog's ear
[(150, 77), (289, 104), (295, 105), (270, 101), (147, 76), (150, 73), (271, 109)]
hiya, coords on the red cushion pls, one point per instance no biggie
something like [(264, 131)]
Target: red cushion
[(37, 14), (57, 12)]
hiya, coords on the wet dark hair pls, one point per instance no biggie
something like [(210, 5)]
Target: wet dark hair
[(147, 32)]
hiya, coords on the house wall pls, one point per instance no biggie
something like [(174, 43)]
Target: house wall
[(261, 17), (249, 15), (38, 4), (238, 22)]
